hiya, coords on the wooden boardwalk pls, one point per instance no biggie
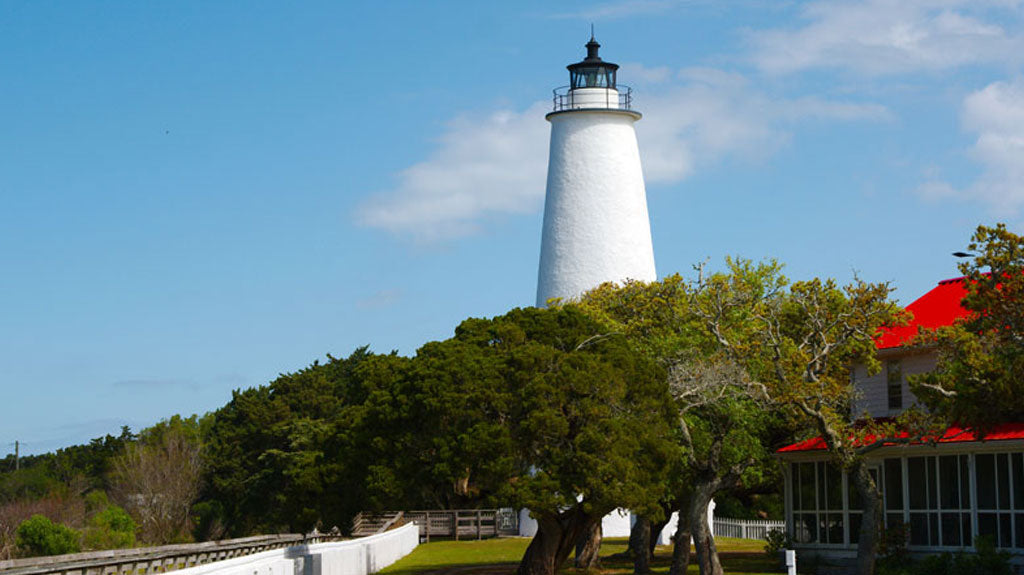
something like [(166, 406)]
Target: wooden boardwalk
[(442, 523)]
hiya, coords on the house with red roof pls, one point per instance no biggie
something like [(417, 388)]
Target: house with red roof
[(946, 493)]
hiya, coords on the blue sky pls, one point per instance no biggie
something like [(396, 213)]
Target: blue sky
[(196, 197)]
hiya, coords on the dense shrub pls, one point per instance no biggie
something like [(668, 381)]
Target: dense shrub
[(111, 528), (37, 535)]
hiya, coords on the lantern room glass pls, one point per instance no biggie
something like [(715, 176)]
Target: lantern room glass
[(593, 77)]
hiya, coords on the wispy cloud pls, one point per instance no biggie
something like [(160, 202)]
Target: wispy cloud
[(380, 299), (154, 384), (621, 9), (892, 36), (495, 164), (714, 114), (483, 165), (994, 115)]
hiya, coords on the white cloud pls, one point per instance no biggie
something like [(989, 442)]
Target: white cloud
[(482, 166), (495, 164), (891, 36), (995, 116)]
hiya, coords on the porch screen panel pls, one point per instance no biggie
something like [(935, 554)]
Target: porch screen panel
[(893, 492), (817, 503), (999, 490), (940, 514), (998, 476)]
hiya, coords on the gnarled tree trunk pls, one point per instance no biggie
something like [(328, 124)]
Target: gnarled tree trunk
[(588, 547), (640, 545), (656, 528), (867, 545), (703, 538), (681, 545), (556, 536)]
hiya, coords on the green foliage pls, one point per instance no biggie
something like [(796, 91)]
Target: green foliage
[(756, 500), (38, 535), (980, 374), (707, 332), (111, 528), (208, 520), (777, 540), (284, 456), (86, 466), (96, 501), (533, 408)]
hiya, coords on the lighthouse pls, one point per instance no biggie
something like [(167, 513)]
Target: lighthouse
[(596, 227)]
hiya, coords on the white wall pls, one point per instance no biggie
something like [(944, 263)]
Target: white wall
[(596, 227), (665, 537), (361, 556), (616, 524)]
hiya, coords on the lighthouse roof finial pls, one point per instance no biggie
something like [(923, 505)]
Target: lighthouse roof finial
[(592, 48)]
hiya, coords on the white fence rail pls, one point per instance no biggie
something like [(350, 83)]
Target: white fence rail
[(262, 555), (362, 556), (745, 528)]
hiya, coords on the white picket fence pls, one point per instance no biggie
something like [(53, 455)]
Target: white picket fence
[(745, 528)]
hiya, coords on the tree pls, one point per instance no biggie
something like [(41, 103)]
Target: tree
[(38, 535), (157, 479), (979, 379), (815, 332), (539, 408), (706, 333), (286, 456)]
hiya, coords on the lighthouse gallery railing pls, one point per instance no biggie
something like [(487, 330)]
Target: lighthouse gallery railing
[(618, 99)]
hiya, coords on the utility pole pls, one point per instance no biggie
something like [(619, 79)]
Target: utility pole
[(17, 460)]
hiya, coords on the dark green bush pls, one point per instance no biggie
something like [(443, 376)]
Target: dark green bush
[(37, 535), (777, 540)]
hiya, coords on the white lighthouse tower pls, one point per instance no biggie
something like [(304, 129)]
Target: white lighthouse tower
[(596, 227)]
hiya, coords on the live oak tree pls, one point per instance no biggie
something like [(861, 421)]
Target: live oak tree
[(706, 333), (816, 331)]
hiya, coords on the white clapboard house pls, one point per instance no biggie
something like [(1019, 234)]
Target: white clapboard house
[(947, 493)]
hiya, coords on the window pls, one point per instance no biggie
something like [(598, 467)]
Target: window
[(894, 384)]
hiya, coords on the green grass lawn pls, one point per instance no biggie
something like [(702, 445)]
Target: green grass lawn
[(500, 556)]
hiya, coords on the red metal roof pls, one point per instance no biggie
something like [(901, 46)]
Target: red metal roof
[(954, 434), (937, 308)]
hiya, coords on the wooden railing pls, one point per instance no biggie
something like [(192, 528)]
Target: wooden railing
[(144, 560), (448, 523)]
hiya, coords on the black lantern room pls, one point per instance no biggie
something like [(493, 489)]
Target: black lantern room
[(592, 72)]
